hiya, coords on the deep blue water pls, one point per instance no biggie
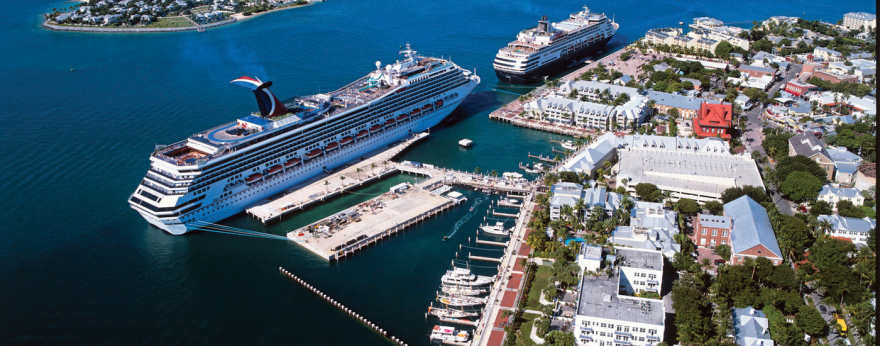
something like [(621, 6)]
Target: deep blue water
[(77, 266)]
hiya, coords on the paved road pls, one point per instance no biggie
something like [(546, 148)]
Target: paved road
[(829, 317), (754, 137)]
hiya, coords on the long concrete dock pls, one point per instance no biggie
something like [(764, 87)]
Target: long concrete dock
[(353, 229), (358, 172)]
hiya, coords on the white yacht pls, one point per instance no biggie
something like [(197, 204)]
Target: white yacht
[(464, 277), (446, 333), (497, 229)]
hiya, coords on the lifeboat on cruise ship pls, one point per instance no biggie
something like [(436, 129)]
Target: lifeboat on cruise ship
[(403, 117), (427, 107), (274, 170), (312, 154), (376, 128), (390, 122), (439, 103), (291, 163), (363, 133), (253, 178), (346, 140), (416, 111), (332, 145)]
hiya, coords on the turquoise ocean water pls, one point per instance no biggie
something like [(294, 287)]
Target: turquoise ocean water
[(77, 266)]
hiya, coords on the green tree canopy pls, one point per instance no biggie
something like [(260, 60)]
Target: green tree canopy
[(688, 206), (800, 163), (820, 208), (801, 186), (714, 207), (723, 250), (559, 338), (776, 146), (848, 209), (756, 193), (810, 321), (646, 190), (793, 236), (723, 49)]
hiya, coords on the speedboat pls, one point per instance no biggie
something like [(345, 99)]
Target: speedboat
[(568, 145), (446, 333), (497, 229)]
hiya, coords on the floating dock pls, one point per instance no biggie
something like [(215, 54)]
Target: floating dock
[(348, 231)]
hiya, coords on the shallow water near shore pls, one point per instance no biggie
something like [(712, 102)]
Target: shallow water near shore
[(78, 266)]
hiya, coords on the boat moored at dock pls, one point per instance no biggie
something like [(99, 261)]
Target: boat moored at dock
[(464, 277), (217, 173), (550, 47), (446, 333), (496, 229)]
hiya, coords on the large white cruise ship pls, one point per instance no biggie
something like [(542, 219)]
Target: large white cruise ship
[(548, 48), (217, 173)]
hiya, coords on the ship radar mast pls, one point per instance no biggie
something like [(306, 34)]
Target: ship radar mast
[(408, 52)]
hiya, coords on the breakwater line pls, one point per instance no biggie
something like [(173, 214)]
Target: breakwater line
[(342, 307)]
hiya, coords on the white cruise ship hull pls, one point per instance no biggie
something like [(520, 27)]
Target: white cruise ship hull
[(228, 206)]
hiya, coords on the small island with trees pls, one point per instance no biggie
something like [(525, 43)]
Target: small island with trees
[(128, 16)]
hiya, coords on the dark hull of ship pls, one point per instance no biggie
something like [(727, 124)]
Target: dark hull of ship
[(552, 68)]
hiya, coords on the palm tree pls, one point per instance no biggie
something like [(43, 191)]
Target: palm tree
[(579, 206), (358, 170), (493, 173), (385, 163), (477, 170), (342, 177), (327, 185), (665, 195), (705, 263), (372, 167), (823, 226)]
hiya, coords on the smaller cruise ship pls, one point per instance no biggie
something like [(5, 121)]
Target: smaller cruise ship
[(550, 47)]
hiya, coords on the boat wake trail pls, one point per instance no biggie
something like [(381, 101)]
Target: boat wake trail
[(467, 217)]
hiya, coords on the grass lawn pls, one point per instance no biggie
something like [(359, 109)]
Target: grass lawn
[(202, 9), (538, 285), (173, 22), (525, 330)]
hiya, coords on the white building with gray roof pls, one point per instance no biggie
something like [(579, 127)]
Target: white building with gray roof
[(833, 194), (851, 228), (651, 227), (606, 315), (751, 327), (698, 169), (588, 109)]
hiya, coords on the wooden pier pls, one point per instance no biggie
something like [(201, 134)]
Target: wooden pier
[(345, 309), (482, 258), (495, 213), (542, 158), (493, 243)]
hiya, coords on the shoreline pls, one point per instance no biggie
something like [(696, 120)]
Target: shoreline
[(234, 18)]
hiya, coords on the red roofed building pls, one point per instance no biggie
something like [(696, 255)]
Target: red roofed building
[(798, 88), (714, 120)]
